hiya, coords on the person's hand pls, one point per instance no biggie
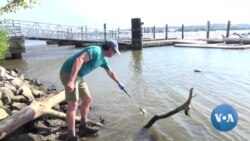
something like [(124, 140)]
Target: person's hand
[(70, 86), (121, 86)]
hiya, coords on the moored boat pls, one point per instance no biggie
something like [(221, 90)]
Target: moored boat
[(232, 40), (214, 40), (246, 40)]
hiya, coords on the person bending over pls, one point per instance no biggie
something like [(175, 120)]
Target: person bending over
[(72, 75)]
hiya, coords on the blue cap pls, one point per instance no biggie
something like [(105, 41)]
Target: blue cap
[(113, 44)]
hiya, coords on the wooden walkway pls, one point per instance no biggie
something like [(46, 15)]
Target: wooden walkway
[(185, 43), (215, 46)]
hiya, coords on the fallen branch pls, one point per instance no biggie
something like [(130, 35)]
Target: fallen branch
[(184, 107)]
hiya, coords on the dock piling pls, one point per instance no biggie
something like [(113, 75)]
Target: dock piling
[(208, 28), (228, 28), (182, 31), (166, 32), (136, 34)]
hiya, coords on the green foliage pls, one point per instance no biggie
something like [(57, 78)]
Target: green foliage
[(14, 5), (4, 44)]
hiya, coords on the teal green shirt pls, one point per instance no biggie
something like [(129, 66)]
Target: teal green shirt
[(96, 59)]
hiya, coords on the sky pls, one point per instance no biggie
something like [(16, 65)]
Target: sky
[(118, 13)]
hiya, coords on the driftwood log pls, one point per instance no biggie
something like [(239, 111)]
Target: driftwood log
[(185, 107), (41, 107)]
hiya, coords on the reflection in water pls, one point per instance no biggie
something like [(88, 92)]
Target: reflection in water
[(136, 67), (136, 62)]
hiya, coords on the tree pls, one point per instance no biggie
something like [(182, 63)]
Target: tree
[(13, 5), (10, 6)]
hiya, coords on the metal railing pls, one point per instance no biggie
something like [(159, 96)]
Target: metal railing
[(55, 31)]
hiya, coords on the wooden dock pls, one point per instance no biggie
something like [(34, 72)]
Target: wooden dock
[(215, 46), (185, 43)]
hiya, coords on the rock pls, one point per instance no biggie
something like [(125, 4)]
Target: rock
[(13, 73), (54, 122), (1, 103), (3, 113), (7, 94), (37, 93), (16, 82), (8, 77), (21, 77), (51, 88), (36, 82), (6, 100), (26, 92), (18, 105), (19, 98), (2, 72), (8, 85)]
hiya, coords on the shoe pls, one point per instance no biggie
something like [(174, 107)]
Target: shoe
[(72, 138), (86, 130)]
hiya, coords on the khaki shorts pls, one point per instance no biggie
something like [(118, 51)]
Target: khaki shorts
[(81, 87)]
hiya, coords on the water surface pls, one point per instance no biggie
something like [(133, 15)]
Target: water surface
[(159, 79)]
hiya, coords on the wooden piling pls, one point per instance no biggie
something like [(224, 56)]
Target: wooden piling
[(118, 33), (182, 31), (136, 34), (166, 32), (154, 32), (105, 32), (228, 29), (208, 28)]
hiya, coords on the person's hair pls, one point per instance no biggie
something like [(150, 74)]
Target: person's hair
[(105, 47)]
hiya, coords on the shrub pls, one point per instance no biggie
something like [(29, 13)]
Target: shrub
[(4, 44)]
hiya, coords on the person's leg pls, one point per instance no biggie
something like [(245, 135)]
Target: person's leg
[(72, 105), (86, 100), (70, 117), (84, 93)]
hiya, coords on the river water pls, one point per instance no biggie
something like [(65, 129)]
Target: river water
[(159, 79)]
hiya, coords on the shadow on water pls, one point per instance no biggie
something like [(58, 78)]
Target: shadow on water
[(150, 134)]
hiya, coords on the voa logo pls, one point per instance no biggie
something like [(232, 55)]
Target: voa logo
[(224, 117)]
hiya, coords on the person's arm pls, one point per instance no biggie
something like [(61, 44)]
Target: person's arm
[(75, 69), (113, 76)]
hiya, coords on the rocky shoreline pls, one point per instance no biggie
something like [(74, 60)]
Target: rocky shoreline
[(16, 94)]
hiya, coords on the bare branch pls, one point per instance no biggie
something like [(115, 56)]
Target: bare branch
[(185, 107)]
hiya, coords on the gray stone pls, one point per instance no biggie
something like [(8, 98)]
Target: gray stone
[(37, 93), (27, 92), (18, 98), (3, 113), (18, 105)]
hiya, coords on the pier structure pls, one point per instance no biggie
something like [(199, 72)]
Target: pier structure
[(136, 38)]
